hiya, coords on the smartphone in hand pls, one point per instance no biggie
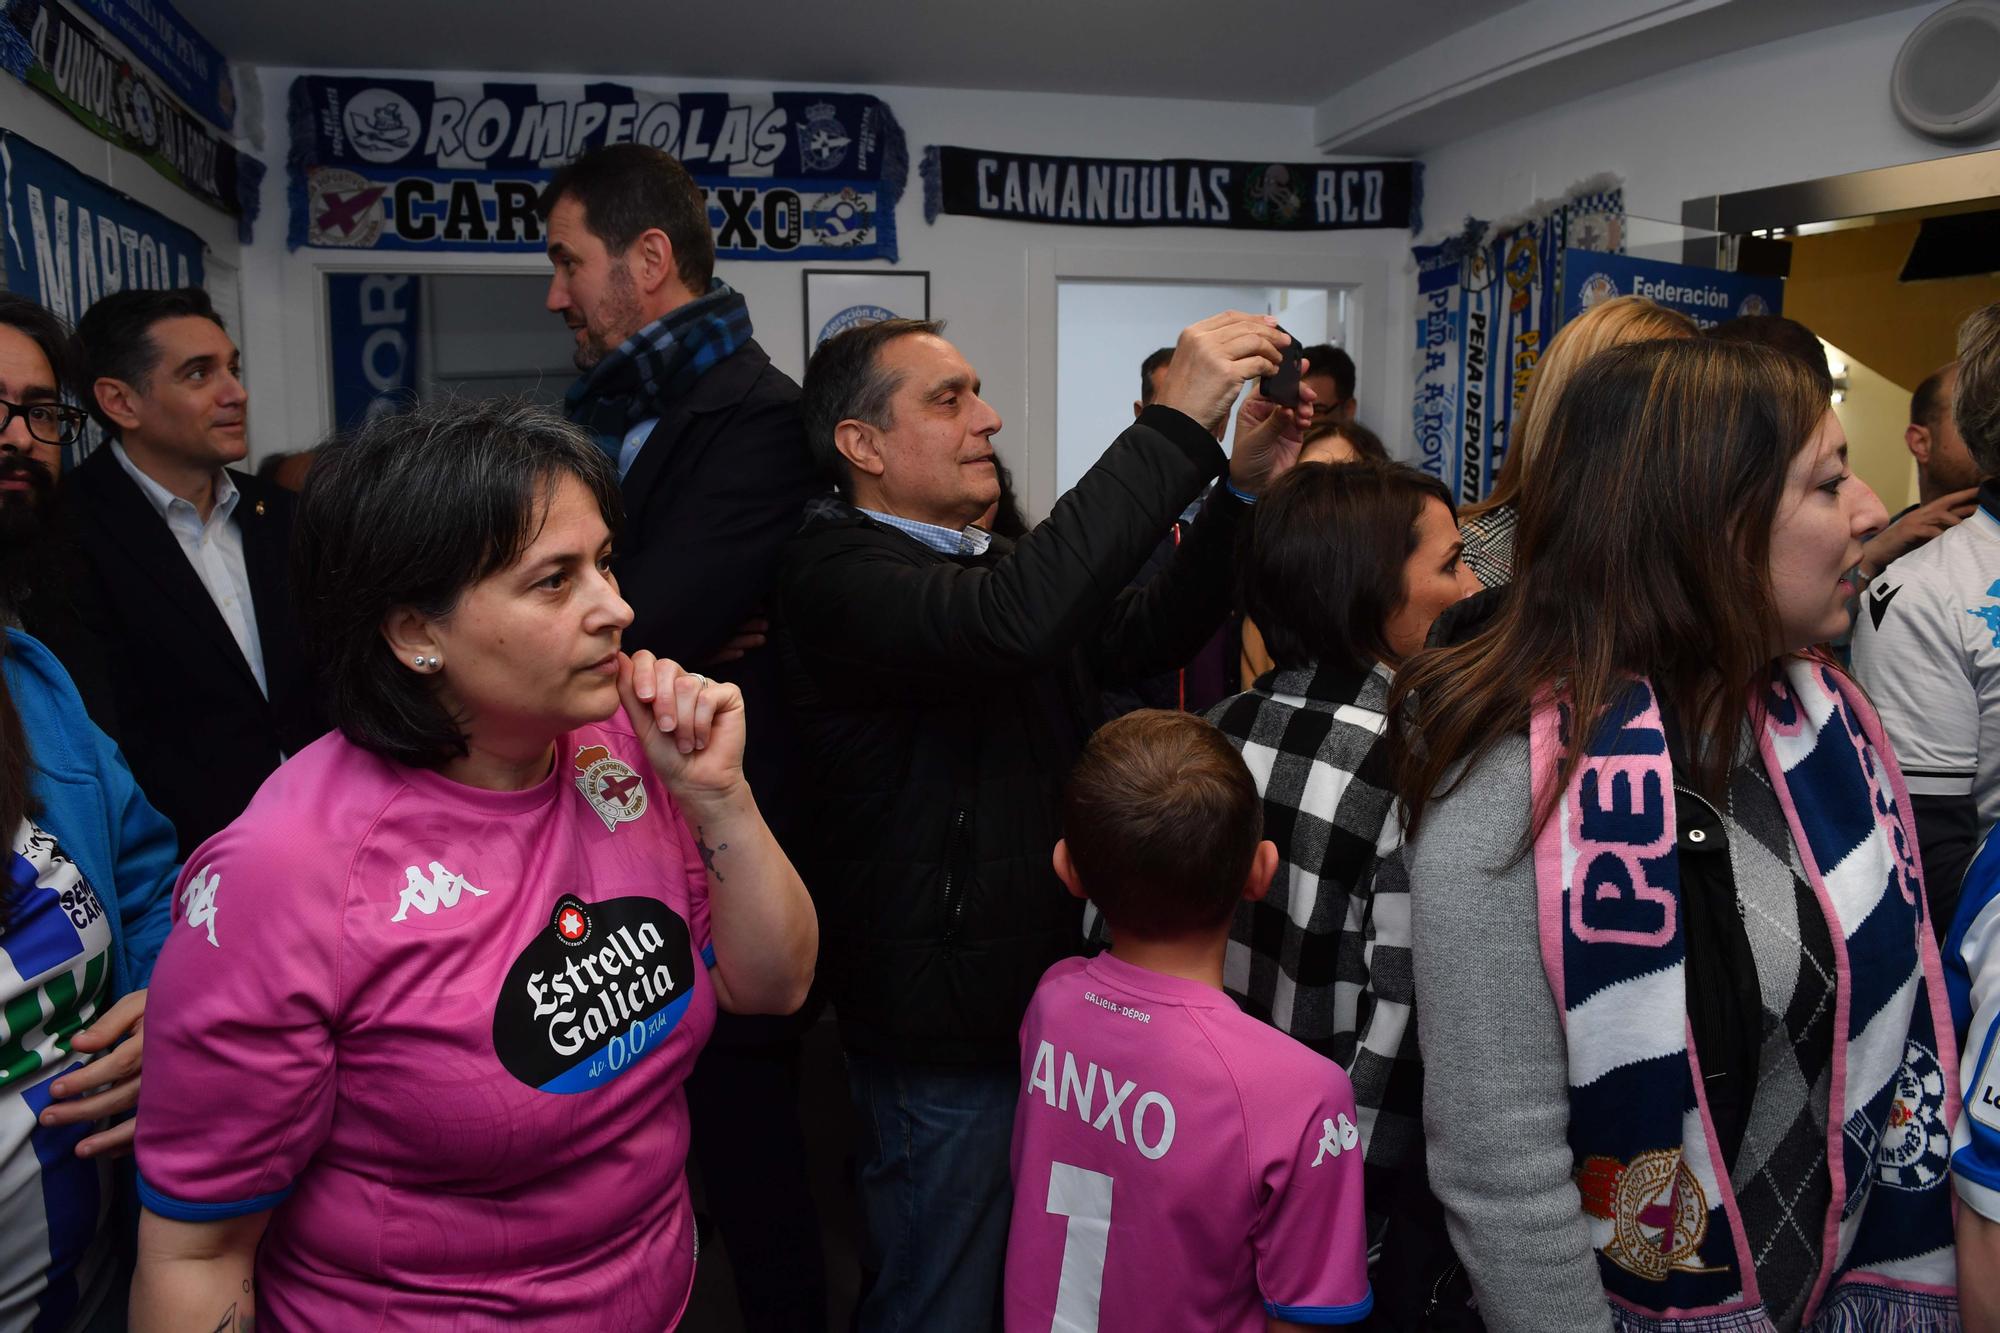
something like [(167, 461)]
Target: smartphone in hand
[(1283, 386)]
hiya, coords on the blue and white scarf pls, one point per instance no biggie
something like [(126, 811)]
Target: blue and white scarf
[(1670, 1242), (658, 364)]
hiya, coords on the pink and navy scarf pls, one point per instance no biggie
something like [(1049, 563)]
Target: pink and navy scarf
[(1670, 1241)]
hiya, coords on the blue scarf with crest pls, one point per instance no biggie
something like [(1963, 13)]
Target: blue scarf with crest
[(1670, 1242)]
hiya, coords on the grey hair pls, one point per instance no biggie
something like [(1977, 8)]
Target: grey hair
[(846, 381)]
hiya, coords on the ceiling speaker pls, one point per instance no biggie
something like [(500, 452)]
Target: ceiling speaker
[(1946, 83)]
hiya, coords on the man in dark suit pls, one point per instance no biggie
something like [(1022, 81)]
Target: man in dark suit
[(188, 562), (711, 452)]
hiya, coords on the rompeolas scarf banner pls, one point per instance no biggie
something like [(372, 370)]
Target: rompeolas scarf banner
[(1179, 192), (74, 62), (1486, 307), (405, 164)]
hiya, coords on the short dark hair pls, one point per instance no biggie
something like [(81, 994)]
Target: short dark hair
[(1323, 564), (628, 189), (1785, 335), (1367, 444), (41, 327), (1148, 368), (411, 511), (1327, 359), (1930, 403), (1162, 819), (116, 336), (845, 381)]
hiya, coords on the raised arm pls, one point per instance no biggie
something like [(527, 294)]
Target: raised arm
[(765, 932)]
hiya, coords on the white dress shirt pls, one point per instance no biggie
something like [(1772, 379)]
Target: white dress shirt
[(215, 549)]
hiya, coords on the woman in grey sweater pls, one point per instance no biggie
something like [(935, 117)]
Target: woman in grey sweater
[(1687, 1062)]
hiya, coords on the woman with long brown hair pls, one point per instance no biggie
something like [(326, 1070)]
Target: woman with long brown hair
[(1687, 1055), (1488, 526)]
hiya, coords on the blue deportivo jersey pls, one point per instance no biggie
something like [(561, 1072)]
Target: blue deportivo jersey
[(1972, 980)]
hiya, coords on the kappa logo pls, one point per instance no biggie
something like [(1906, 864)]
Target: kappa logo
[(1336, 1139), (609, 784), (441, 889), (199, 899)]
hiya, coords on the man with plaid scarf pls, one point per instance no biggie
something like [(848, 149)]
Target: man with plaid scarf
[(712, 462)]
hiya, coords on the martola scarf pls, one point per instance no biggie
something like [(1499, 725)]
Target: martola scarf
[(1670, 1243), (658, 364)]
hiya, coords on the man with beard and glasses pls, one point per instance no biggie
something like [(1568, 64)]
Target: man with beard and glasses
[(713, 466), (186, 562), (38, 560)]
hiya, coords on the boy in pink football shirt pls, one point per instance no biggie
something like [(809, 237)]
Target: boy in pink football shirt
[(1177, 1164)]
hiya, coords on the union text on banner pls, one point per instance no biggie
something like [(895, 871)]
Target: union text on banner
[(1707, 296), (1486, 307), (71, 240), (1178, 192), (183, 59), (71, 60), (405, 164)]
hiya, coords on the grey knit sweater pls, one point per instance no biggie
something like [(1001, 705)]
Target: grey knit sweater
[(1496, 1071), (1496, 1103)]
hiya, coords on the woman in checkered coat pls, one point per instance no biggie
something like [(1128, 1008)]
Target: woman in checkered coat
[(1346, 567)]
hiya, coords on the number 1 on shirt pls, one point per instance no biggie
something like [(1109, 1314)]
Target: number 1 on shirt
[(1084, 1199)]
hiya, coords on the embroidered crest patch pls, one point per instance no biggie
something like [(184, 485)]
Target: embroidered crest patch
[(1916, 1146), (1657, 1209), (609, 784)]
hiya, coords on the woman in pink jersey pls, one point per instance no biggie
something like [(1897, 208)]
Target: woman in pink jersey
[(418, 1035)]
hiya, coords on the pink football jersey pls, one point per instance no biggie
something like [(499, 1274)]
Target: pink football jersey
[(441, 1034), (1177, 1164)]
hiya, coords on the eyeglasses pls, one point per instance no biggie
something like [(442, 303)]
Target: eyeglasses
[(51, 423)]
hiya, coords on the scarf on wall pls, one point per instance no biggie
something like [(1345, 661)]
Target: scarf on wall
[(1669, 1237), (656, 365)]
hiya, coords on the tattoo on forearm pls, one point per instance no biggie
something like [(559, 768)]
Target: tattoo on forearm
[(708, 853), (232, 1322)]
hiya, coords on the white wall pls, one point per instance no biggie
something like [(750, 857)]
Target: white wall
[(1810, 106), (994, 281)]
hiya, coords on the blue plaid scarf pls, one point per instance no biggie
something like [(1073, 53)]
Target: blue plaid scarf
[(657, 365), (1671, 1247)]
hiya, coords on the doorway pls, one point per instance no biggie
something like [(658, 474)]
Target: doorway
[(1105, 330)]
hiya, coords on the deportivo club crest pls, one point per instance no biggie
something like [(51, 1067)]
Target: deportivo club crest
[(1657, 1210), (610, 785), (823, 140), (1914, 1149)]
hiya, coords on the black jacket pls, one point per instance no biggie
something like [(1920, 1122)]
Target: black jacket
[(200, 736), (941, 701), (719, 486)]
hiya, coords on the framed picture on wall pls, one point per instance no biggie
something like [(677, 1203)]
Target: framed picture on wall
[(839, 299)]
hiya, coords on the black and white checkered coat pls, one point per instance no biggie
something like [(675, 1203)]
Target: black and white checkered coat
[(1326, 955)]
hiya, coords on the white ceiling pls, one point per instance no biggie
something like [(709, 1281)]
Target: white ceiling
[(1290, 52)]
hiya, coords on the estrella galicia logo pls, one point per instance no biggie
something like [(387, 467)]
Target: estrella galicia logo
[(823, 140), (601, 987)]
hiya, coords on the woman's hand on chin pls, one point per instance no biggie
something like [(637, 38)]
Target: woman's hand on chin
[(692, 726)]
